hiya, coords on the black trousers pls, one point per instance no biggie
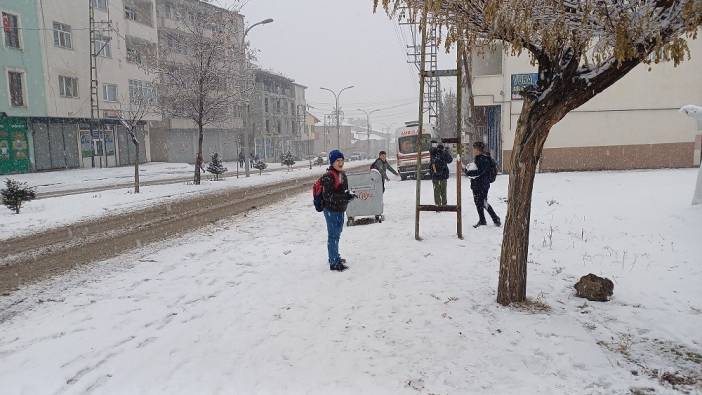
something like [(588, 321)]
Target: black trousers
[(480, 196)]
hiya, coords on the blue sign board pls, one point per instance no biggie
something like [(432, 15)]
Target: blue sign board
[(520, 81)]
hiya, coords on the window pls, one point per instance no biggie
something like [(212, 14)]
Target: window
[(103, 46), (16, 84), (99, 4), (68, 87), (133, 55), (62, 36), (169, 11), (109, 92), (268, 125), (141, 90), (11, 27), (266, 105), (130, 13)]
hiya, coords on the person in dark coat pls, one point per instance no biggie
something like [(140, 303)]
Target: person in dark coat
[(242, 159), (335, 199), (440, 158), (480, 184), (381, 164)]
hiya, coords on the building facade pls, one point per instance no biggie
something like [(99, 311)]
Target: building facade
[(634, 124), (22, 93), (175, 140), (49, 90), (277, 116)]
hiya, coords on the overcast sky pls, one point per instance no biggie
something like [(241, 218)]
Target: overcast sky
[(336, 43)]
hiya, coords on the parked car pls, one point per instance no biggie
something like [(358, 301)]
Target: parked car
[(355, 156)]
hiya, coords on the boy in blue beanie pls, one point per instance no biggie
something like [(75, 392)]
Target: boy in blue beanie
[(335, 199)]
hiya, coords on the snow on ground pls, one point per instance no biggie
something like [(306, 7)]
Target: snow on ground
[(72, 179), (43, 214), (249, 306)]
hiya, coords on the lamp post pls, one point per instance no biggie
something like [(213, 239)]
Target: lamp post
[(368, 113), (247, 164), (336, 99)]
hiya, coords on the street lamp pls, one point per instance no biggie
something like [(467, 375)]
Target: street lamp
[(336, 98), (368, 113), (247, 164)]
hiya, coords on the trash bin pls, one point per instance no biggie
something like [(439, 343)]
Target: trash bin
[(368, 187)]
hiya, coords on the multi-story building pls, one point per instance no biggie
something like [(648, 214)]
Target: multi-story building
[(175, 140), (48, 72), (633, 124), (277, 115), (22, 94)]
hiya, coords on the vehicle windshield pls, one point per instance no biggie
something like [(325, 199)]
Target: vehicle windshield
[(408, 144)]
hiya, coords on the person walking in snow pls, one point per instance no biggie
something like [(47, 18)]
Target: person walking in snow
[(381, 164), (335, 199), (440, 158), (242, 158), (481, 177)]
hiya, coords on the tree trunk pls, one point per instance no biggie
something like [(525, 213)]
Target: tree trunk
[(528, 144), (136, 168), (198, 159)]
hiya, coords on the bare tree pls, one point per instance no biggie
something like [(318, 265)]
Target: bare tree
[(200, 77), (133, 111), (581, 48)]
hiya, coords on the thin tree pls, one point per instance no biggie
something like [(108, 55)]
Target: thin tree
[(200, 76), (581, 47), (133, 111)]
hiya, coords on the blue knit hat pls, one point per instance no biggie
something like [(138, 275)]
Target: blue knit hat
[(334, 155)]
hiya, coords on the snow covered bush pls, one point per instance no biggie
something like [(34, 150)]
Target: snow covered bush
[(288, 160), (15, 193), (261, 166), (215, 167)]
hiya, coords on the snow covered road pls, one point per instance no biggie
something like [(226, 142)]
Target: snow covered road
[(249, 306)]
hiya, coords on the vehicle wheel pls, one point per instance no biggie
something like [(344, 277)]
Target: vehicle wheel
[(349, 222), (403, 177)]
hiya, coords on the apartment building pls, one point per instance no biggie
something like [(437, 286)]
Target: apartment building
[(634, 124), (278, 116), (176, 140), (46, 62)]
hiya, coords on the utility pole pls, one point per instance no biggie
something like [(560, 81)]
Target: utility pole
[(96, 132), (336, 99), (368, 128), (247, 113)]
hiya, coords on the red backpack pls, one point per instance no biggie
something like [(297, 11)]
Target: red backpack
[(317, 190)]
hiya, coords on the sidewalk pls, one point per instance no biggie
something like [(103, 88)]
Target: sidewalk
[(57, 211), (64, 182)]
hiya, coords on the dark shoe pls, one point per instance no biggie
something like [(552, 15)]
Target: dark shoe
[(342, 260), (498, 223), (339, 267), (479, 224)]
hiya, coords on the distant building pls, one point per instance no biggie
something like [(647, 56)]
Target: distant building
[(278, 109)]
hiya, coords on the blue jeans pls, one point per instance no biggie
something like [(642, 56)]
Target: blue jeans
[(335, 224)]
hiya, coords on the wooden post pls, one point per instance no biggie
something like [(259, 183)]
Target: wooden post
[(420, 118), (459, 132)]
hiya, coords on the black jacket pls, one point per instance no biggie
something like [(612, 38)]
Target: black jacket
[(335, 198), (482, 175), (440, 158)]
